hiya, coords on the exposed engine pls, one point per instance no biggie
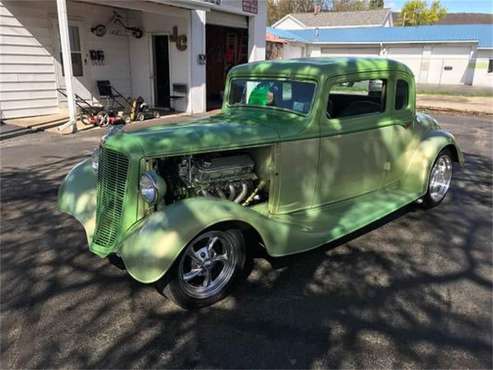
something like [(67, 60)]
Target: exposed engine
[(229, 177)]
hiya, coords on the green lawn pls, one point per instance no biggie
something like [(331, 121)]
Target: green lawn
[(455, 90)]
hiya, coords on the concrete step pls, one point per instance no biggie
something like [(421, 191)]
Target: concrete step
[(31, 128)]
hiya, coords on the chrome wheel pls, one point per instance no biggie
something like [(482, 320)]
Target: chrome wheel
[(208, 264), (440, 178)]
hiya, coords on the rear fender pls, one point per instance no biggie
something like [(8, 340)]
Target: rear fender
[(418, 171)]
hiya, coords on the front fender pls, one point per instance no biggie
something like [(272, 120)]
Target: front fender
[(418, 171), (153, 245), (77, 196)]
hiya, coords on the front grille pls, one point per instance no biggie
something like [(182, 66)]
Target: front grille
[(112, 185)]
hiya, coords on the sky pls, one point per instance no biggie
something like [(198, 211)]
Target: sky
[(453, 6)]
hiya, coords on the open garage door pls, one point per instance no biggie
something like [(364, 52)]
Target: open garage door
[(226, 46)]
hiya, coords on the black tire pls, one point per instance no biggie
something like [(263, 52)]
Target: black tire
[(174, 286), (126, 119), (86, 119), (430, 199)]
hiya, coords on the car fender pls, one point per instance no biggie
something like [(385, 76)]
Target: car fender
[(152, 245), (77, 196), (418, 171)]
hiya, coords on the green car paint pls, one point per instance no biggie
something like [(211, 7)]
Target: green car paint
[(327, 176)]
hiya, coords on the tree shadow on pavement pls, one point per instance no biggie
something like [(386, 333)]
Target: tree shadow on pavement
[(410, 290)]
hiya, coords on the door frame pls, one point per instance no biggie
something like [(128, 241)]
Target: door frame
[(152, 55)]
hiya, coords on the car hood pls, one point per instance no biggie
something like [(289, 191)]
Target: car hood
[(219, 132)]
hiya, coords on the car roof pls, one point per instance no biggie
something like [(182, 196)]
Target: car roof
[(316, 67)]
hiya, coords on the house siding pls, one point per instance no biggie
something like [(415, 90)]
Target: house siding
[(27, 69)]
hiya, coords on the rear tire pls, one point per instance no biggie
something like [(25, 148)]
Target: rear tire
[(439, 180), (207, 269)]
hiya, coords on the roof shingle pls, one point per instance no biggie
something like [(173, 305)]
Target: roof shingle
[(337, 19)]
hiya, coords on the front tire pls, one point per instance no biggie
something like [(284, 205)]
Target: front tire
[(440, 179), (207, 269)]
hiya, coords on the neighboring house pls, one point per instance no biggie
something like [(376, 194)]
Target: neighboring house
[(364, 18), (467, 18), (457, 18), (168, 65), (441, 54)]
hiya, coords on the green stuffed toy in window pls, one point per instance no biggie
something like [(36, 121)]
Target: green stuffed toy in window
[(261, 95)]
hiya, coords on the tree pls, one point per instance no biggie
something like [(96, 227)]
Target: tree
[(376, 4), (348, 5), (276, 9), (417, 12)]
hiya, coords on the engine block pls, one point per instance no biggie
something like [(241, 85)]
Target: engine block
[(228, 177)]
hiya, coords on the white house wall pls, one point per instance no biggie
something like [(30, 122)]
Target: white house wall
[(27, 69), (289, 24), (141, 58), (30, 67)]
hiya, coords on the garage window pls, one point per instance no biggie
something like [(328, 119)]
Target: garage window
[(401, 94), (354, 98), (490, 66)]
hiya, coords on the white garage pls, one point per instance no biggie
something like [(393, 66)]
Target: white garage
[(439, 54)]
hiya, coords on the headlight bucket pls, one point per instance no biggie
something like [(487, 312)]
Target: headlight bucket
[(152, 187)]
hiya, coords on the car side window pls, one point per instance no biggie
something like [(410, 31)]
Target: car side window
[(401, 94), (354, 98)]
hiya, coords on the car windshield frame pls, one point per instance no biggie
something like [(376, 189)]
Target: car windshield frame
[(272, 107)]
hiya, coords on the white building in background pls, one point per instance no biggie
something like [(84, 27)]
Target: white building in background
[(172, 53), (438, 54)]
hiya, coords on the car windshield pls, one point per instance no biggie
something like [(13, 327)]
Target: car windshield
[(292, 95)]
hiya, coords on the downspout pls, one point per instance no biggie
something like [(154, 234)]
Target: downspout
[(67, 64)]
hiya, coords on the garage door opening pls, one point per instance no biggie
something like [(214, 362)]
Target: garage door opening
[(225, 48)]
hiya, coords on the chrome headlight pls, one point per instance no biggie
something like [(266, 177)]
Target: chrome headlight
[(152, 187), (95, 160)]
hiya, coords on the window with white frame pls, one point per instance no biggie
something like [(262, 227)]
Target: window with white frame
[(76, 51)]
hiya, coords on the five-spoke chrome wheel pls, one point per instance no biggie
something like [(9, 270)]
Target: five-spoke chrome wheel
[(207, 268), (207, 264), (440, 178)]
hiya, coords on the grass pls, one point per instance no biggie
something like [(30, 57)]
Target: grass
[(454, 90)]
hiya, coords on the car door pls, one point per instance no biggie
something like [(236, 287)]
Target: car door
[(354, 134), (403, 139), (296, 155)]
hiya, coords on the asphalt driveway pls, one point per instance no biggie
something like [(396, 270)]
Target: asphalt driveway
[(414, 290)]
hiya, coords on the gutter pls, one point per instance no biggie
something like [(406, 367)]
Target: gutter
[(391, 42)]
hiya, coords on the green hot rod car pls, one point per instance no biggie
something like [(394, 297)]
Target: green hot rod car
[(303, 152)]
